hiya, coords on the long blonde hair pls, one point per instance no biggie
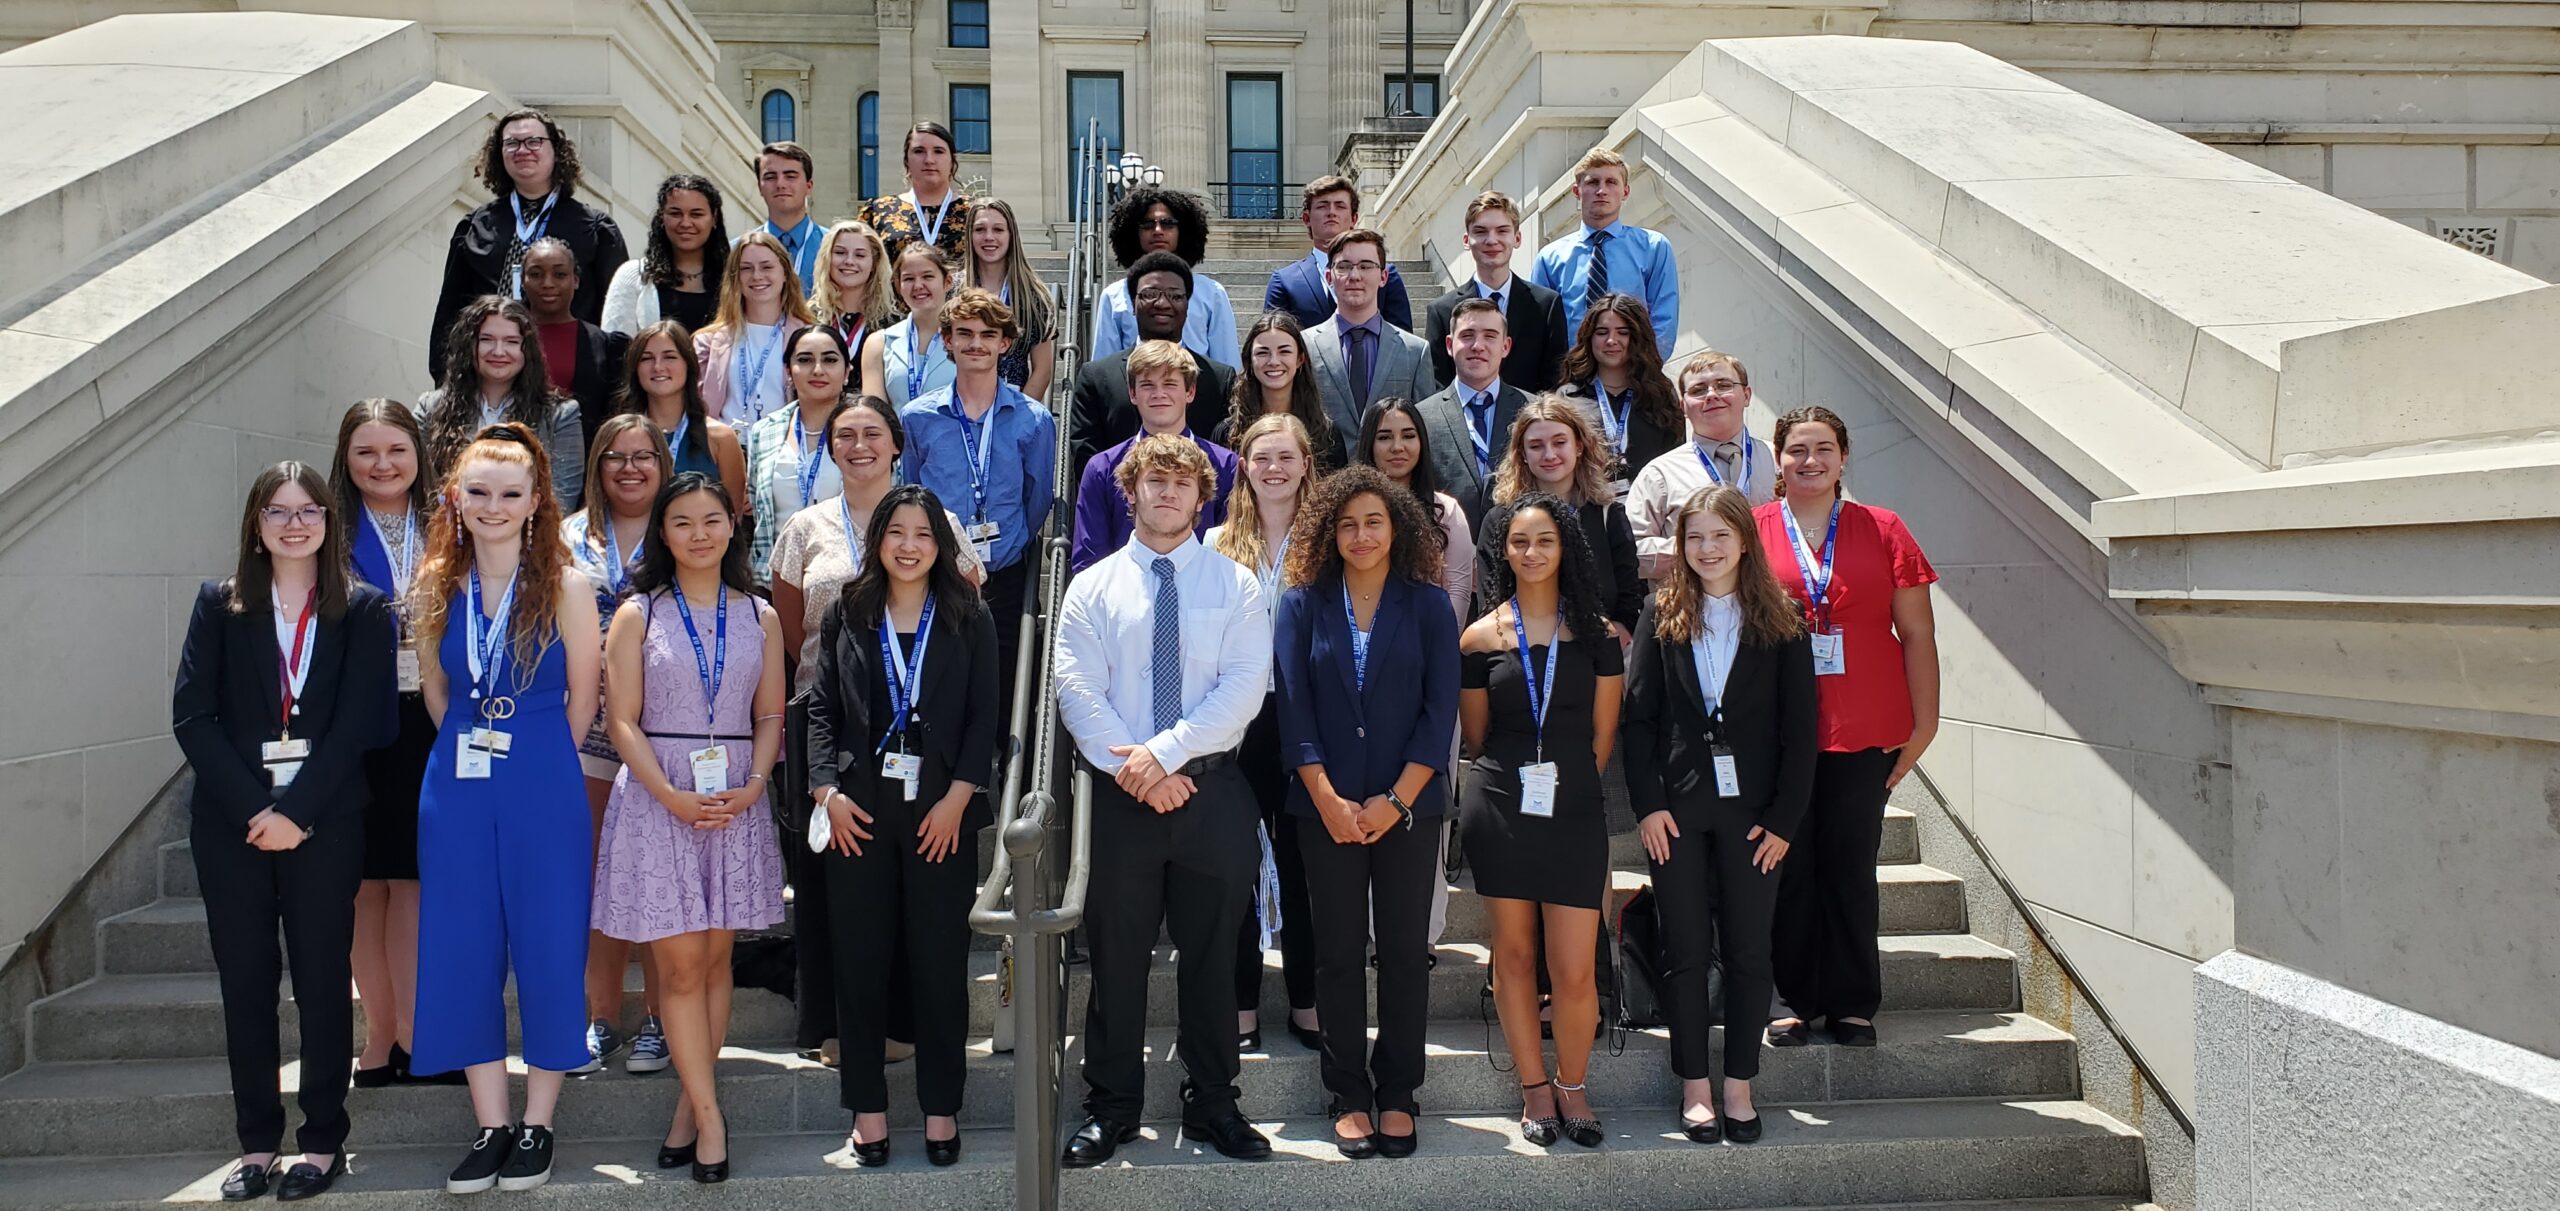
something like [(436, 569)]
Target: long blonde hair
[(732, 314), (1769, 615), (1030, 295), (876, 307), (1590, 476), (451, 554), (1240, 538)]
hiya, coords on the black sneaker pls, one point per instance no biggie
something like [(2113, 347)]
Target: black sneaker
[(479, 1170), (530, 1164)]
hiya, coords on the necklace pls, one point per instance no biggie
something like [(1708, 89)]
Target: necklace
[(393, 527)]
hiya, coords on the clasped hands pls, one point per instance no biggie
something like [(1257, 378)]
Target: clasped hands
[(1357, 823), (274, 831), (708, 812), (1149, 782)]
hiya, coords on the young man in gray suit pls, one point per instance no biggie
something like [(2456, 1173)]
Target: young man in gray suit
[(1468, 426), (1360, 357)]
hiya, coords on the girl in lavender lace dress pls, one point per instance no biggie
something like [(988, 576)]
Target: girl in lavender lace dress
[(689, 855)]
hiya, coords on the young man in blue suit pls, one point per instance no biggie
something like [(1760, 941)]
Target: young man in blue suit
[(1331, 207)]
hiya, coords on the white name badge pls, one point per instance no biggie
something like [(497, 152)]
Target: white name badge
[(710, 770), (1728, 776), (469, 760), (907, 768), (407, 660), (283, 759), (983, 536), (1830, 659), (821, 829), (1538, 789)]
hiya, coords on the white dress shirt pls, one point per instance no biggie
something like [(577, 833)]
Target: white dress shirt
[(1106, 642), (1666, 483), (1711, 652)]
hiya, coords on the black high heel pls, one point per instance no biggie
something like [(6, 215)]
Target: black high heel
[(1584, 1131), (869, 1156), (1538, 1131), (676, 1156), (942, 1153), (711, 1174)]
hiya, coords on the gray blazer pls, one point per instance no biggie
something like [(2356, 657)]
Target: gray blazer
[(1453, 449), (1403, 370), (563, 437)]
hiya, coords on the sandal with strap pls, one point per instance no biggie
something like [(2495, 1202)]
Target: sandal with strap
[(1539, 1131), (1584, 1131)]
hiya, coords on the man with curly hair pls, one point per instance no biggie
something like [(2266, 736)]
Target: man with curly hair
[(1154, 219), (531, 169)]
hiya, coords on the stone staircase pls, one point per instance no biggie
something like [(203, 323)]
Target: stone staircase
[(1965, 1100)]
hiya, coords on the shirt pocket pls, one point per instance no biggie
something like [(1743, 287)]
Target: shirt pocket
[(1204, 641)]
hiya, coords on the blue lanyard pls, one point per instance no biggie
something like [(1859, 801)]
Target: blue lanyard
[(919, 361), (1614, 424), (489, 652), (708, 668), (1270, 577), (978, 450), (756, 359), (1718, 477), (1542, 687), (811, 458), (529, 230), (1359, 641), (932, 232), (801, 230), (852, 537), (404, 565), (906, 681), (1817, 573)]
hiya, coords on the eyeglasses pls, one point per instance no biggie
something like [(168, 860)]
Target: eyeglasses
[(1159, 224), (1714, 386), (281, 517), (615, 460), (527, 143), (1164, 296), (1356, 266)]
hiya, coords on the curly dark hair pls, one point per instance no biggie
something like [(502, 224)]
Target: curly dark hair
[(1656, 398), (1577, 575), (565, 173), (658, 264), (455, 417), (1187, 208), (1315, 557)]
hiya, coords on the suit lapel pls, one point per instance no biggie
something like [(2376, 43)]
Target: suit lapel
[(1342, 665), (1507, 401), (267, 661), (1684, 673), (1327, 345)]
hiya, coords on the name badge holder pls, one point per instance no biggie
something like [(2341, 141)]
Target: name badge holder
[(710, 764), (1830, 655), (822, 828), (978, 449), (479, 746), (906, 685), (1538, 779), (403, 567), (283, 756), (1720, 754)]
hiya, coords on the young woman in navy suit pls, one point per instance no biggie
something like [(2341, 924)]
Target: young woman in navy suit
[(284, 684), (1367, 656), (1720, 744)]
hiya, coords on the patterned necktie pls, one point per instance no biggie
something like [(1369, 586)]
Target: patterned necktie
[(1167, 672), (1480, 415), (1728, 459), (1361, 361), (1599, 277)]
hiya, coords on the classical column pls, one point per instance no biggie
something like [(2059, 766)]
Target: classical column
[(1178, 85), (1024, 136), (1351, 70), (897, 90)]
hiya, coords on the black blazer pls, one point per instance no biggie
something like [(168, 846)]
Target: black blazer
[(1768, 722), (230, 700), (475, 263), (1646, 441), (1535, 317), (959, 716), (597, 379), (1104, 417), (1613, 559)]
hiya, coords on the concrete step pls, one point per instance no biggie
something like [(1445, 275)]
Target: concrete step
[(1914, 899), (137, 1107), (1972, 1151)]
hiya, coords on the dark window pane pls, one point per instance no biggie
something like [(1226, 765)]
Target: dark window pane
[(969, 23), (867, 126), (1426, 94), (781, 117), (969, 118), (1093, 106)]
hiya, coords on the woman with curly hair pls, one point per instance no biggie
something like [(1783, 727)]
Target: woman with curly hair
[(1615, 372), (1279, 382), (1554, 448), (506, 853), (678, 277), (494, 373), (532, 171), (1148, 219), (1542, 669)]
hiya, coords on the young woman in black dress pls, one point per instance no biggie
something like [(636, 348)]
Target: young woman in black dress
[(1539, 679)]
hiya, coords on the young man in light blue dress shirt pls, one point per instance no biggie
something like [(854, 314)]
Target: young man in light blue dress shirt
[(1633, 260)]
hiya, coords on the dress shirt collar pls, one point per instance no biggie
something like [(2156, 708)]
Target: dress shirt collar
[(1145, 556), (1614, 229), (1486, 290), (951, 406), (1477, 397), (1323, 259), (1723, 613), (1376, 325)]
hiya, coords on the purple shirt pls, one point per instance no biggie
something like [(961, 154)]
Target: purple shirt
[(1103, 522)]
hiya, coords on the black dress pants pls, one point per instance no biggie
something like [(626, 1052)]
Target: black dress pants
[(311, 890), (813, 947), (888, 902), (1350, 889), (1263, 771), (1708, 889), (1824, 944), (1188, 872)]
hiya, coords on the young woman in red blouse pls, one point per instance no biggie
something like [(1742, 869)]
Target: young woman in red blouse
[(1864, 586)]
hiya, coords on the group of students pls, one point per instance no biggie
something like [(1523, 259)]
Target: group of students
[(791, 484)]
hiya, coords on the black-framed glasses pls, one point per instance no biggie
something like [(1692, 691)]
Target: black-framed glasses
[(280, 517), (526, 143), (1164, 296)]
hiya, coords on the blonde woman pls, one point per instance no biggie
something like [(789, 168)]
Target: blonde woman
[(999, 267), (741, 352), (852, 294), (1554, 448)]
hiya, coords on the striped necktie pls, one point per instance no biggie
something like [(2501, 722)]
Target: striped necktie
[(1167, 662)]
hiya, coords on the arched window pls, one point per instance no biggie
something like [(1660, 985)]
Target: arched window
[(866, 124), (781, 117)]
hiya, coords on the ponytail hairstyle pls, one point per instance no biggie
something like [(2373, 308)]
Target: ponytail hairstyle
[(1769, 614), (1816, 414), (452, 554)]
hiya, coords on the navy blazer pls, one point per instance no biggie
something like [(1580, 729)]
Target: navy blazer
[(1769, 722), (230, 700), (958, 720), (1299, 289), (1411, 695)]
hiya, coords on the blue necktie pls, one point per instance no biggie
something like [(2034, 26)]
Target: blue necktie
[(1599, 276), (1480, 415), (1361, 362), (1167, 673)]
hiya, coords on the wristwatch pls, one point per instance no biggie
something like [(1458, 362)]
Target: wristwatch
[(1403, 808)]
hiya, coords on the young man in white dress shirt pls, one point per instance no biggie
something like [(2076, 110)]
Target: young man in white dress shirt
[(1163, 652), (1714, 393)]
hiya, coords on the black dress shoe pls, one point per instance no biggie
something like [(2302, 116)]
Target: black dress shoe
[(943, 1152), (306, 1180), (1227, 1132), (1251, 1040), (381, 1077), (871, 1155), (1853, 1034), (1310, 1039), (711, 1174), (1352, 1147), (675, 1156), (247, 1182), (1793, 1036), (1094, 1142), (1708, 1132), (1742, 1130), (1398, 1147)]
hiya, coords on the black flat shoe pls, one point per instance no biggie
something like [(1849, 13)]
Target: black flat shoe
[(1227, 1132), (942, 1153), (1250, 1040), (1743, 1130), (1539, 1131), (1793, 1036), (306, 1180), (871, 1155), (711, 1174), (675, 1156), (1584, 1131), (382, 1077), (1094, 1142), (1708, 1132), (1352, 1147), (1310, 1039), (1398, 1147), (247, 1182), (1852, 1034)]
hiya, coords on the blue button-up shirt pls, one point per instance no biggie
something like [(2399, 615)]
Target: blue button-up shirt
[(1641, 263), (1208, 328), (1021, 479)]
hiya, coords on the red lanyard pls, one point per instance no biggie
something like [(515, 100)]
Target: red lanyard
[(299, 660)]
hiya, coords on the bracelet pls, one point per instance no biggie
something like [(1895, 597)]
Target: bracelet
[(762, 718), (754, 777)]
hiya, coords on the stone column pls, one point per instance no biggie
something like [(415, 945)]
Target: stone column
[(1178, 87), (1351, 70), (897, 90), (1024, 134)]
